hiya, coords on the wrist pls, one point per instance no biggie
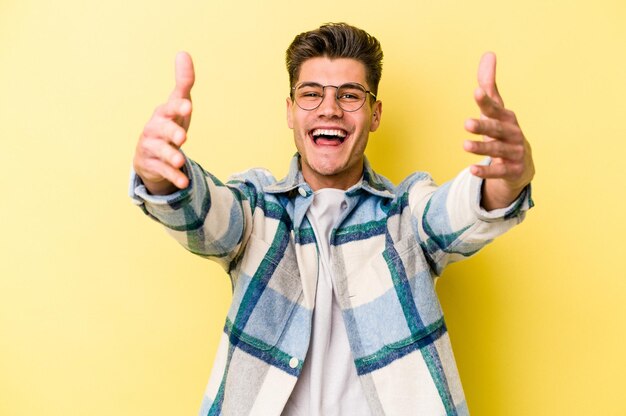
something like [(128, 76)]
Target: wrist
[(498, 194), (159, 188)]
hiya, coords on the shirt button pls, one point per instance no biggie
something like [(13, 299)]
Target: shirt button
[(293, 363), (302, 191), (344, 205)]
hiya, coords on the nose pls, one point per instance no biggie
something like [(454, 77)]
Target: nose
[(329, 106)]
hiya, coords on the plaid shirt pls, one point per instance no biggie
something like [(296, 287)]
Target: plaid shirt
[(387, 249)]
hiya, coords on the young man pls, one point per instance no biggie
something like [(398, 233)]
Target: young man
[(334, 310)]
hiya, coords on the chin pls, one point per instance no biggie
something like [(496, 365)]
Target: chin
[(326, 168), (325, 171)]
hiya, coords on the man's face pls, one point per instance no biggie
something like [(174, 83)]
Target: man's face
[(331, 141)]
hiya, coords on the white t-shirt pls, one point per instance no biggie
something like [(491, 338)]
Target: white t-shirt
[(328, 384)]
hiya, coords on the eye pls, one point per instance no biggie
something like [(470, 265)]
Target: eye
[(351, 94), (310, 94)]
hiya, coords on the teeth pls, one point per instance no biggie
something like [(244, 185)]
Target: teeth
[(329, 132)]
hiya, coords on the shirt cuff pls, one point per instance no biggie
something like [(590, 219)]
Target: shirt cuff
[(516, 209), (140, 195)]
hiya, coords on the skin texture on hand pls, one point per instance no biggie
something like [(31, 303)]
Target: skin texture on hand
[(511, 168), (158, 160)]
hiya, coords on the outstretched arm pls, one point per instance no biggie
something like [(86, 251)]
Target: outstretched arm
[(158, 160), (209, 218), (511, 168)]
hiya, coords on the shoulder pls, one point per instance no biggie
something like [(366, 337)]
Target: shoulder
[(415, 181), (257, 177)]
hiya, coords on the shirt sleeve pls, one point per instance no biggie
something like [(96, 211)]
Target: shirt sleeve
[(450, 222), (208, 218)]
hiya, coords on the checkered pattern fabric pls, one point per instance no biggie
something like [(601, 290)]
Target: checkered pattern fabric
[(387, 249)]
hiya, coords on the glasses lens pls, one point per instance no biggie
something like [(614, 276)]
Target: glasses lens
[(351, 96), (309, 95)]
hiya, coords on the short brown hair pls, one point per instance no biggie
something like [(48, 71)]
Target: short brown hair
[(337, 40)]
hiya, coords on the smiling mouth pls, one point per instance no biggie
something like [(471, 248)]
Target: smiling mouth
[(332, 137)]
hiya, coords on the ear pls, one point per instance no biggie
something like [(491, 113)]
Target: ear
[(377, 112), (289, 113)]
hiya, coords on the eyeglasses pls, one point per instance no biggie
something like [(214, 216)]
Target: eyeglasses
[(350, 96)]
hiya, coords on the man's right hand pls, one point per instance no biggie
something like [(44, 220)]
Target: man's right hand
[(158, 160)]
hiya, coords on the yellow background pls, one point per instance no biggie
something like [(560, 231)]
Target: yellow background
[(101, 313)]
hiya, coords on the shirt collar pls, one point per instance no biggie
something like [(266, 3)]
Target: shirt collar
[(370, 181)]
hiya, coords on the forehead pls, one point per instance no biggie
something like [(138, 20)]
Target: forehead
[(328, 71)]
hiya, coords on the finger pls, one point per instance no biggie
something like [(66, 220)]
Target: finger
[(487, 76), (492, 108), (170, 155), (163, 170), (166, 130), (495, 171), (184, 75), (495, 129), (175, 109), (495, 148), (154, 148)]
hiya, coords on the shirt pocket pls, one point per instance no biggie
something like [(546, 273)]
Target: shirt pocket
[(265, 295)]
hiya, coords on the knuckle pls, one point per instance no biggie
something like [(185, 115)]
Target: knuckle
[(159, 110), (151, 128), (516, 170), (164, 153), (177, 134), (498, 128), (148, 126), (518, 152), (143, 146), (499, 149)]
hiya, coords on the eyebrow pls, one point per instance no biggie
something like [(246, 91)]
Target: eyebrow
[(308, 84), (317, 84)]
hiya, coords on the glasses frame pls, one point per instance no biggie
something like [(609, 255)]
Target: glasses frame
[(337, 88)]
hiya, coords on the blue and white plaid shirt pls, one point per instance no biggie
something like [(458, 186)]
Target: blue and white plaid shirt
[(387, 249)]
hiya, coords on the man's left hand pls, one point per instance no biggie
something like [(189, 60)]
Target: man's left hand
[(511, 168)]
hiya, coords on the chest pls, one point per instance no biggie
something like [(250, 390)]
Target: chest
[(382, 280)]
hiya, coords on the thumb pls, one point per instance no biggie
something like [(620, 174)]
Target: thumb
[(185, 76), (487, 76)]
